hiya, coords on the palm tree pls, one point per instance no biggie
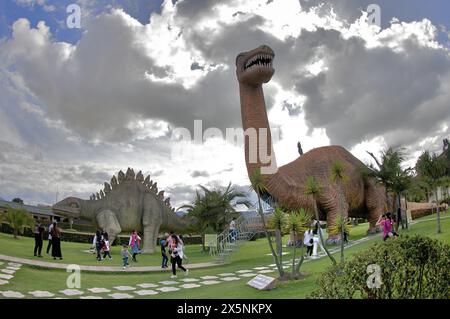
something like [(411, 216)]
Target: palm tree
[(313, 190), (387, 167), (277, 223), (433, 168), (339, 178), (215, 208), (18, 219), (297, 223), (258, 185)]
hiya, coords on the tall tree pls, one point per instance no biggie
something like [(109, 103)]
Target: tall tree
[(313, 189), (389, 172), (277, 223), (297, 223), (258, 185), (432, 168), (214, 209), (17, 200), (18, 219), (339, 178)]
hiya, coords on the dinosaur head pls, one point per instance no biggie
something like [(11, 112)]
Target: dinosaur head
[(255, 67), (68, 207)]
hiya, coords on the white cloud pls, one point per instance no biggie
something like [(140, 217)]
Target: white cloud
[(115, 97)]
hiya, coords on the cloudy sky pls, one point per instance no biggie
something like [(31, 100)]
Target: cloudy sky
[(79, 104)]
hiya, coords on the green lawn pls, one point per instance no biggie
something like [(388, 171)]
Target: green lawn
[(252, 254)]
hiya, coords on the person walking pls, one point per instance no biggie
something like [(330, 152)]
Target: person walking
[(125, 255), (232, 231), (49, 245), (386, 223), (98, 244), (308, 241), (134, 243), (106, 247), (175, 258), (165, 259), (38, 239), (56, 242)]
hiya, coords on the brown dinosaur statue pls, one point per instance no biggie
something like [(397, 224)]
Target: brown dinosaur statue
[(360, 196)]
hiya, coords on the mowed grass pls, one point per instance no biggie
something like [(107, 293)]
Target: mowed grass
[(252, 254)]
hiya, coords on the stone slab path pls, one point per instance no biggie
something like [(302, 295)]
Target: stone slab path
[(148, 289), (51, 265)]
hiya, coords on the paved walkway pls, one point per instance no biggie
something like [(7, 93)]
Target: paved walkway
[(45, 264)]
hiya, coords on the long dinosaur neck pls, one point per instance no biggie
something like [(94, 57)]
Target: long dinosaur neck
[(259, 152)]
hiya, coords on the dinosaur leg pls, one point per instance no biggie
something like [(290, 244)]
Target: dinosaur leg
[(108, 221), (335, 205), (151, 220), (375, 203)]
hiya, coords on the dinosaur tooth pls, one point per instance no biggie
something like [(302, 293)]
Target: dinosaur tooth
[(102, 195), (107, 188), (147, 180), (97, 196)]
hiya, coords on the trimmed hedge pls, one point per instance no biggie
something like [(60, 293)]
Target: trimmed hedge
[(409, 268)]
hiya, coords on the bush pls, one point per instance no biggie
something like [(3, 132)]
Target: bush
[(409, 268)]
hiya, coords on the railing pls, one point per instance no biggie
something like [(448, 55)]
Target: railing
[(227, 244)]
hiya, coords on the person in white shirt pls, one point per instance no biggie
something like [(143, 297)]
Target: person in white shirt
[(50, 228), (233, 233), (308, 241)]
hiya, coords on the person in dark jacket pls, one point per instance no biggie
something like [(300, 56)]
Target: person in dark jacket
[(38, 239), (56, 242)]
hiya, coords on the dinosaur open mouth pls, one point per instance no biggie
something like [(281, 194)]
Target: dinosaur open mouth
[(259, 60)]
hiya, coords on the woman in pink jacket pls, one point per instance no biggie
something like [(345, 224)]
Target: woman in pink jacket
[(134, 243)]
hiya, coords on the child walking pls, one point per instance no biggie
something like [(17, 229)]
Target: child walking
[(134, 244), (125, 255), (106, 247), (165, 259)]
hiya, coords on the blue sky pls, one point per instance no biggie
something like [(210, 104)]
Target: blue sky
[(438, 11)]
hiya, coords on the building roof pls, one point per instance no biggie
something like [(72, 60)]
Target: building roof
[(41, 210)]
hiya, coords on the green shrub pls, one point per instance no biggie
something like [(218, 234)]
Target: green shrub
[(409, 268)]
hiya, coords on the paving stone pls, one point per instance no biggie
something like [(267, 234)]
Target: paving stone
[(286, 267), (243, 271), (230, 278), (13, 268), (71, 292), (148, 292), (190, 286), (168, 282), (209, 277), (3, 282), (265, 271), (147, 285), (99, 290), (167, 289), (210, 282), (248, 275), (12, 294), (272, 265), (121, 296), (260, 268), (8, 271), (91, 297), (226, 274), (14, 264), (124, 288), (190, 279), (41, 294)]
